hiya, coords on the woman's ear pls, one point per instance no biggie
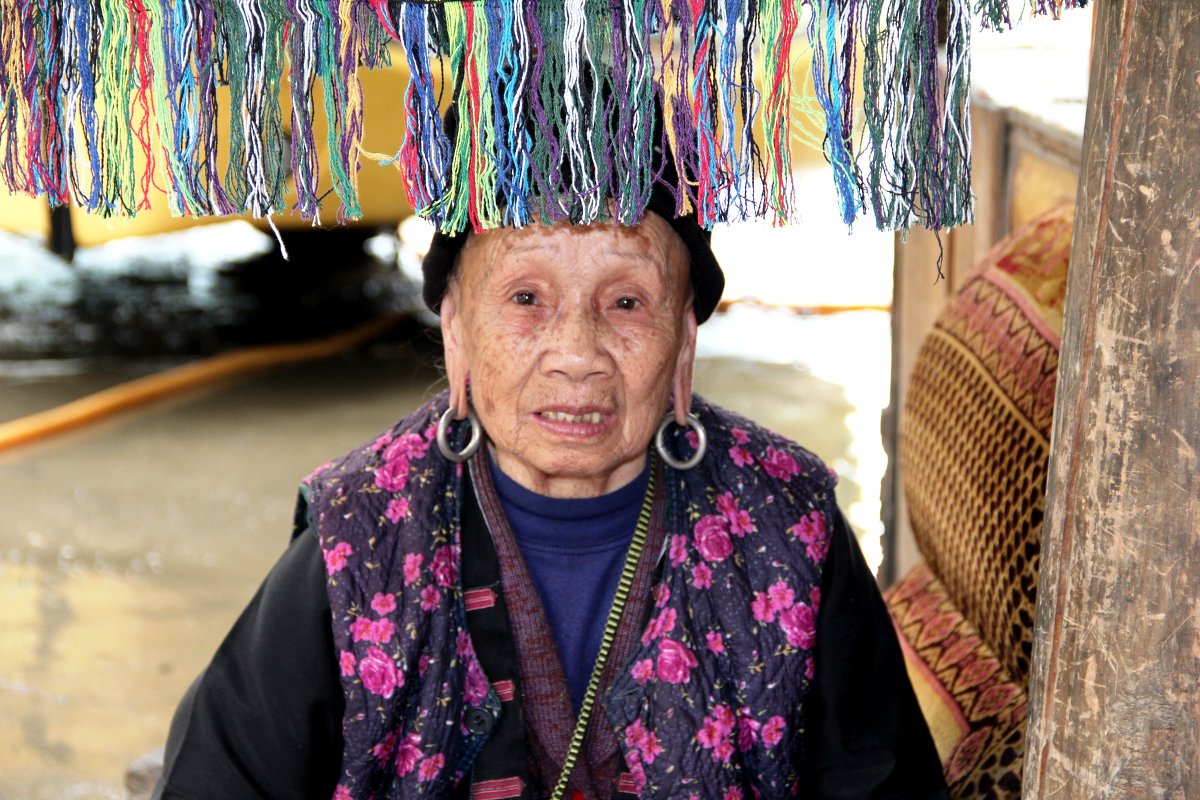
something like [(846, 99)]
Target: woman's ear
[(681, 385), (457, 372)]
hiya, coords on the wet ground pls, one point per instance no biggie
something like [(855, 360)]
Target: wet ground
[(128, 548)]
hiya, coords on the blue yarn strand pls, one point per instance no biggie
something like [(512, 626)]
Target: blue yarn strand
[(829, 92), (426, 124)]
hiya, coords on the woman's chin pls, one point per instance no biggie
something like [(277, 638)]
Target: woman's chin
[(571, 471)]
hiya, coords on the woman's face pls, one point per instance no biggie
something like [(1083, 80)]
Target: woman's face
[(572, 339)]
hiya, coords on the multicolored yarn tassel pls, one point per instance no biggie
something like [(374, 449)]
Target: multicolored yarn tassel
[(516, 110)]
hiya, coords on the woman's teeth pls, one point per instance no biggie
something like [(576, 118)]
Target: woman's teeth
[(559, 416)]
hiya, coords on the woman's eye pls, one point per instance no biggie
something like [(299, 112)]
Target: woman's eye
[(524, 298), (628, 303)]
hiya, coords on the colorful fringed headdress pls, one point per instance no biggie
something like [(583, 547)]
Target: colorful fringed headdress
[(555, 102)]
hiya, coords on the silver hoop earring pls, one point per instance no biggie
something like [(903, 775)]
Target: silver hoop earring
[(660, 442), (443, 438)]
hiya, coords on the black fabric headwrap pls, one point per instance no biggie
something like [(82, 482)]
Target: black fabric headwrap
[(708, 281)]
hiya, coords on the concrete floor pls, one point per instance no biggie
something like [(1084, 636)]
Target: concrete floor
[(128, 549)]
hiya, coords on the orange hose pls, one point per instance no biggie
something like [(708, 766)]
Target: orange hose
[(806, 311), (142, 391)]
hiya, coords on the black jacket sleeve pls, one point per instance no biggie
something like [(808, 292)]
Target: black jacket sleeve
[(866, 737), (264, 719)]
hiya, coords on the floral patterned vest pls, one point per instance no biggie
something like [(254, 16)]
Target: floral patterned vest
[(711, 705)]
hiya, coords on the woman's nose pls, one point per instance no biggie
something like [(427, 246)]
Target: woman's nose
[(575, 347)]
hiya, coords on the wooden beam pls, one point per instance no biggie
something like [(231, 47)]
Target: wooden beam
[(1115, 693), (918, 296)]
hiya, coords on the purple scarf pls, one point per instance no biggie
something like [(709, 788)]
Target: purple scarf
[(711, 705)]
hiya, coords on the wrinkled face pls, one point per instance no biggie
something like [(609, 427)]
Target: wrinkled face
[(573, 340)]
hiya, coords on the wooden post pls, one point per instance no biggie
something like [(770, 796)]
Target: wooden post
[(1115, 693), (917, 299)]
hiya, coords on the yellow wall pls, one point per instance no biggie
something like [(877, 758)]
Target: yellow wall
[(381, 189)]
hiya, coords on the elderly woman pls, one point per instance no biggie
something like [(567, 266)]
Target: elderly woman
[(567, 576)]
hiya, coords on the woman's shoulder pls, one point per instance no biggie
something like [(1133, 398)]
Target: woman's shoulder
[(741, 446), (407, 438), (384, 471)]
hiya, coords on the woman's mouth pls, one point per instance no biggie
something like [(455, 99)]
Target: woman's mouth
[(593, 417), (575, 423)]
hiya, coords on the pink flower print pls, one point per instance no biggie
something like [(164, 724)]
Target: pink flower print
[(643, 740), (723, 751), (342, 793), (380, 631), (383, 603), (379, 674), (445, 565), (814, 597), (412, 568), (662, 624), (811, 531), (382, 442), (780, 596), (397, 509), (715, 642), (692, 439), (799, 623), (747, 730), (348, 663), (635, 734), (408, 447), (778, 464), (423, 664), (662, 595), (678, 552), (727, 505), (633, 760), (643, 671), (710, 734), (740, 436), (725, 718), (762, 609), (430, 597), (675, 661), (377, 631), (430, 768), (392, 476), (335, 559), (772, 731), (740, 456), (702, 576), (360, 629), (385, 749), (476, 688), (733, 793), (738, 518), (652, 748), (740, 523), (712, 538), (407, 755), (809, 668)]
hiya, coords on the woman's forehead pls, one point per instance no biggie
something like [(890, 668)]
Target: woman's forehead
[(651, 244), (649, 241)]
